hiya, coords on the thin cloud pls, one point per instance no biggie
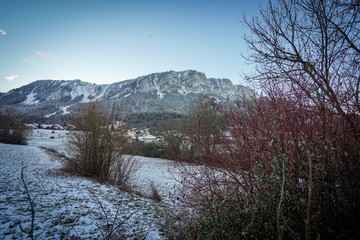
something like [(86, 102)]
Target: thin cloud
[(28, 60), (44, 55), (11, 77), (2, 32)]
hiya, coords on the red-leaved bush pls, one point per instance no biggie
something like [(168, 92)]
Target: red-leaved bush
[(286, 164), (283, 169)]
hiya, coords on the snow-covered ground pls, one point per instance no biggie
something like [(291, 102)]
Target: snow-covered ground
[(72, 207)]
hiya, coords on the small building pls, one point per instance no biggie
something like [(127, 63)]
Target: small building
[(69, 127), (56, 127), (147, 138), (30, 126), (132, 132)]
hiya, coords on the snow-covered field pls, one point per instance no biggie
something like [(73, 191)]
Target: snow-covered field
[(71, 207)]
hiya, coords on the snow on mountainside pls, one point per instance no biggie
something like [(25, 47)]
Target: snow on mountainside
[(166, 91), (30, 99)]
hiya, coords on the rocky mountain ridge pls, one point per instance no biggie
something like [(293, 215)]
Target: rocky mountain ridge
[(157, 92)]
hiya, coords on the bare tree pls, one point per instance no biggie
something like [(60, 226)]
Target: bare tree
[(310, 45), (31, 201), (307, 52), (204, 126)]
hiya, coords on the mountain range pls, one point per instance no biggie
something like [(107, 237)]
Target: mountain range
[(169, 92)]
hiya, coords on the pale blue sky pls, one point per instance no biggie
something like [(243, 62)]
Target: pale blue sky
[(114, 40)]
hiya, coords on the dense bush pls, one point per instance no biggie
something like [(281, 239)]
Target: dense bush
[(14, 136), (282, 171), (95, 150), (154, 120), (12, 130), (151, 149), (288, 165)]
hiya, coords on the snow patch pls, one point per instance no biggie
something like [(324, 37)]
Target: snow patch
[(49, 115), (103, 91), (64, 84), (159, 94), (86, 91), (65, 110), (65, 205), (182, 75), (183, 90), (30, 99), (116, 96)]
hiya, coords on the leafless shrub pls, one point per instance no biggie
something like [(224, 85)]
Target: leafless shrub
[(112, 227), (155, 194), (94, 148), (31, 201), (123, 170), (202, 129)]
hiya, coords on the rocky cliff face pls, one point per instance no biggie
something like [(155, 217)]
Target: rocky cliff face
[(158, 92)]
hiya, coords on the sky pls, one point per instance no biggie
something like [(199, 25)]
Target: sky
[(114, 40)]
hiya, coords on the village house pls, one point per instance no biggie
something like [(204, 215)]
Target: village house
[(147, 138)]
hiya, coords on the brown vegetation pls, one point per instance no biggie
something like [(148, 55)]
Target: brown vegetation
[(96, 150), (12, 129), (288, 166)]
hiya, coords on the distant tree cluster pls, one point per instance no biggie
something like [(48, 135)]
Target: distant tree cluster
[(154, 120), (12, 128)]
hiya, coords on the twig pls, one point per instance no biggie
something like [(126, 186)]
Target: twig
[(278, 212), (111, 226), (30, 232), (308, 207)]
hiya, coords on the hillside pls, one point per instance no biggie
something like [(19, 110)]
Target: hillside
[(169, 92)]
